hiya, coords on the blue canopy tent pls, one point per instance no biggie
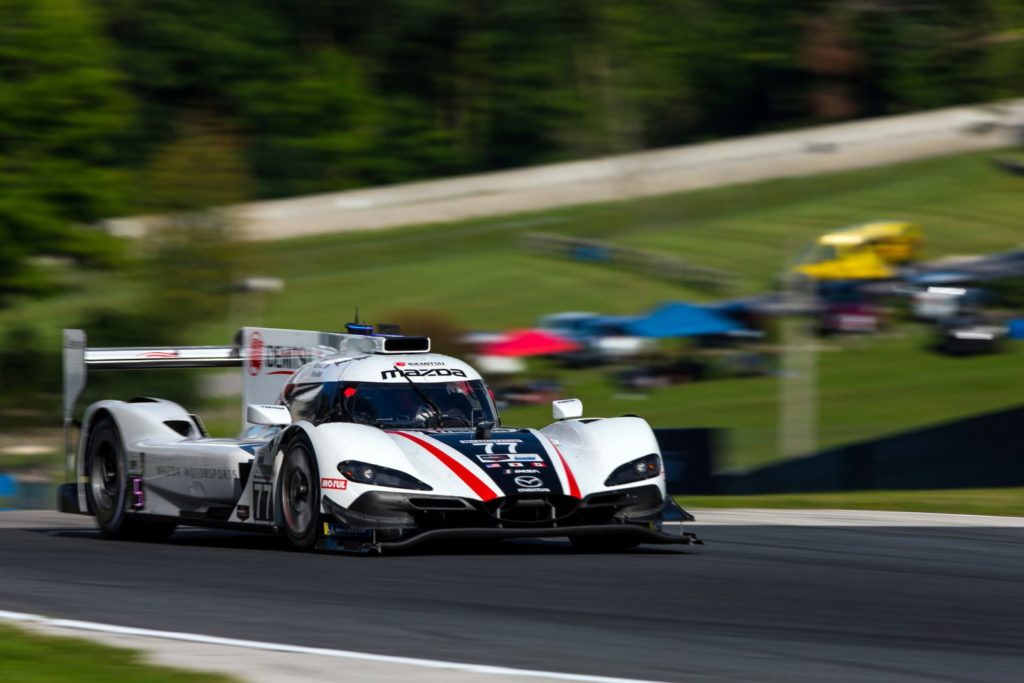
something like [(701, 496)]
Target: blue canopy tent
[(677, 319), (604, 325)]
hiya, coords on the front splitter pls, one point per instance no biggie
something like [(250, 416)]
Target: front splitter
[(372, 543)]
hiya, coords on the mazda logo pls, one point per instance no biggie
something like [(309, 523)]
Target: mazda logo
[(529, 482)]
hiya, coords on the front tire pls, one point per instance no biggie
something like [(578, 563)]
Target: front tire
[(107, 492), (299, 494)]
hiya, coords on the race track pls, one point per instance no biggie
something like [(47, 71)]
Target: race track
[(780, 602)]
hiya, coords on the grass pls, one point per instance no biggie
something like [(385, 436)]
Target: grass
[(31, 658), (1008, 501), (866, 389), (474, 270), (963, 203), (473, 273)]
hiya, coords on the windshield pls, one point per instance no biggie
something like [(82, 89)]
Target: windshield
[(425, 404), (820, 253)]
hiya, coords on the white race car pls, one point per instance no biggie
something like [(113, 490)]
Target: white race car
[(359, 441)]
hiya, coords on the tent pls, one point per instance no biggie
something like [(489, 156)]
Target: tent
[(530, 343), (605, 326), (677, 319)]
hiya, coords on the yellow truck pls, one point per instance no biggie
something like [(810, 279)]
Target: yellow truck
[(862, 252)]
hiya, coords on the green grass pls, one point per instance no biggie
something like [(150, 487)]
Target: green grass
[(866, 389), (963, 203), (30, 658), (1008, 502), (474, 273)]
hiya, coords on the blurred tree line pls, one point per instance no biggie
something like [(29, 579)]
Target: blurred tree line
[(125, 107), (323, 95)]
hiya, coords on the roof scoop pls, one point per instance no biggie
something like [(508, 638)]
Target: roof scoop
[(381, 343)]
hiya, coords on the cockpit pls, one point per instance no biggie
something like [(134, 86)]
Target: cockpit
[(464, 403)]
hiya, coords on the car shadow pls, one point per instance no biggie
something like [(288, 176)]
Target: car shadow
[(197, 537)]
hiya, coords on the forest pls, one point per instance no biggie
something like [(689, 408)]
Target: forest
[(101, 101)]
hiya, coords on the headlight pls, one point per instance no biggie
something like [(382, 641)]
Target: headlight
[(636, 470), (365, 473)]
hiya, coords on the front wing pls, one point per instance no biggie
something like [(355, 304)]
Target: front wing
[(385, 521)]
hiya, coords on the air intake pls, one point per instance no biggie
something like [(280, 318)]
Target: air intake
[(406, 344)]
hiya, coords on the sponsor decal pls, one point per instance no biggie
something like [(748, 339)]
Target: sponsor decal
[(255, 353), (196, 472), (284, 360), (138, 495), (243, 512), (425, 372), (505, 459), (490, 444), (509, 457), (158, 354), (137, 466), (530, 484), (333, 484)]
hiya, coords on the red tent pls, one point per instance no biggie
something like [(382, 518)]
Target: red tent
[(530, 343)]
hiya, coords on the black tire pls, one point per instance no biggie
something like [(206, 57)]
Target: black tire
[(107, 491), (604, 544), (299, 494)]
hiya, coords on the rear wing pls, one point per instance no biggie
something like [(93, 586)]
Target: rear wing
[(268, 356), (79, 359)]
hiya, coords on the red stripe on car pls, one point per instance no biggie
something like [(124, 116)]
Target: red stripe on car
[(574, 490), (471, 480)]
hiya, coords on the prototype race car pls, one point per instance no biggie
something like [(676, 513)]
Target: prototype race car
[(358, 441)]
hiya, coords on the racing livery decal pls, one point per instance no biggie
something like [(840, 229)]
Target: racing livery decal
[(426, 372), (471, 480), (274, 359), (523, 460), (434, 459), (255, 355)]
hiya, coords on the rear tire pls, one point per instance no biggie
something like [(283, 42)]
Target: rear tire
[(604, 544), (107, 491), (299, 494)]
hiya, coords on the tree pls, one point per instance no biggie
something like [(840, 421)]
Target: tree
[(191, 263), (64, 116)]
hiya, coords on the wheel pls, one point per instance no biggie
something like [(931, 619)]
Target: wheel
[(604, 544), (299, 494), (107, 491)]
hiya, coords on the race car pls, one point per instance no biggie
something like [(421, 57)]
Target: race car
[(356, 441)]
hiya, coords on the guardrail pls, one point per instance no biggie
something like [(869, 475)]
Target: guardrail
[(659, 266)]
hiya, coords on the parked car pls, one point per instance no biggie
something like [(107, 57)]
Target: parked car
[(862, 252)]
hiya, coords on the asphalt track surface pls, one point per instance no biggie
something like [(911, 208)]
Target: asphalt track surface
[(764, 603)]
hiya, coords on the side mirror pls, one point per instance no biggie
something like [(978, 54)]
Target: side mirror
[(267, 415), (567, 408)]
